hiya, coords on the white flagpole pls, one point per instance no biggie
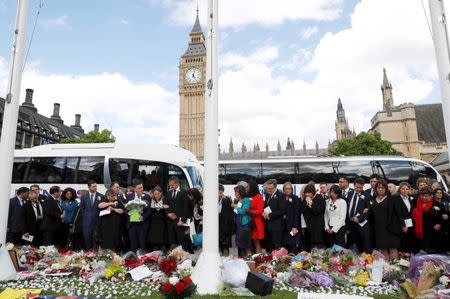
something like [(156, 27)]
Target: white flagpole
[(9, 130), (207, 273), (439, 27)]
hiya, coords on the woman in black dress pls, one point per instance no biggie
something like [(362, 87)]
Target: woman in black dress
[(407, 203), (312, 207), (428, 221), (292, 221), (226, 222), (387, 217), (157, 234), (110, 222)]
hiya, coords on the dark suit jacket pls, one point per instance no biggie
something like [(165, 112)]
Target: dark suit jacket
[(349, 195), (52, 215), (31, 220), (181, 205), (90, 212), (362, 203), (292, 213), (314, 217), (277, 204), (368, 193), (16, 216)]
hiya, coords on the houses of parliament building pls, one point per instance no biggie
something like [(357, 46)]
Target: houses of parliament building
[(414, 130)]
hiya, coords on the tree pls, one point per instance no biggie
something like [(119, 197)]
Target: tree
[(364, 144), (104, 136)]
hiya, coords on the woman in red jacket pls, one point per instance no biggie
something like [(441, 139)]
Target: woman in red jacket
[(256, 210)]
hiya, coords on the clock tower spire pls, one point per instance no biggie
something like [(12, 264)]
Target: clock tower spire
[(192, 73)]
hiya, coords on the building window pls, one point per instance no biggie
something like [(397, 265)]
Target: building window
[(28, 138)]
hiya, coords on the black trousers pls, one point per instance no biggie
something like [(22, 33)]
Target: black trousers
[(361, 237), (15, 238), (137, 234), (337, 238), (179, 235), (274, 238)]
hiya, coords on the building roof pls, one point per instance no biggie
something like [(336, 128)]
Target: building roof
[(195, 49), (197, 28), (440, 159), (29, 116), (430, 123)]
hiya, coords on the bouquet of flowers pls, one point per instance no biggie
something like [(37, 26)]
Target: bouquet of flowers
[(168, 265), (177, 288), (135, 208), (115, 273)]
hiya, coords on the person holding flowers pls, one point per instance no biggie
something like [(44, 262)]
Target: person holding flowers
[(139, 211), (427, 216), (335, 214), (110, 222)]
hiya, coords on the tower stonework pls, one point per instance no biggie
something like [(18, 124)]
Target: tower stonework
[(341, 125), (192, 73), (386, 90)]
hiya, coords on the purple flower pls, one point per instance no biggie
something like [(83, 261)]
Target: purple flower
[(322, 279)]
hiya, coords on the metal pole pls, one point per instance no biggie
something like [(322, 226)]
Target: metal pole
[(207, 273), (8, 138), (442, 50)]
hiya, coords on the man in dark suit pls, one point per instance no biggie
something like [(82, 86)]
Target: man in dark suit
[(89, 214), (34, 216), (347, 192), (120, 197), (274, 219), (137, 231), (372, 191), (16, 216), (179, 212), (357, 213), (51, 225), (37, 189)]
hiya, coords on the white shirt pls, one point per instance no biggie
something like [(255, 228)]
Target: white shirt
[(335, 214), (353, 201), (37, 205), (407, 203)]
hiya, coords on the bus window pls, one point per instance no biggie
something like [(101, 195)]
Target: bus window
[(317, 172), (173, 170), (90, 168), (196, 177), (19, 169), (71, 170), (395, 171), (354, 169), (46, 170), (422, 170), (118, 171), (282, 172), (241, 172), (151, 174)]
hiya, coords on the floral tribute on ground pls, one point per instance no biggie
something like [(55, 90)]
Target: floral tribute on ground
[(336, 270)]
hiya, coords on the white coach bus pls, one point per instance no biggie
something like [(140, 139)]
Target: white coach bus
[(73, 165), (300, 170)]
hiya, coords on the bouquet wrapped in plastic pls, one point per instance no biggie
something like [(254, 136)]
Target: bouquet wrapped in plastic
[(135, 208)]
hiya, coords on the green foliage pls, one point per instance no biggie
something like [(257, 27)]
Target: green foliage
[(365, 144), (104, 136)]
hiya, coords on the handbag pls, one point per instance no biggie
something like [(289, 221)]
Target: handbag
[(197, 239)]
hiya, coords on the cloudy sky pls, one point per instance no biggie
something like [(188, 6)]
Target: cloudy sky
[(283, 64)]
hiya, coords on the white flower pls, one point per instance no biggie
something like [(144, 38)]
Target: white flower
[(437, 208), (173, 280), (444, 280), (362, 196)]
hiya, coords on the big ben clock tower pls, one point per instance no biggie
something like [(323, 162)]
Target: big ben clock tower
[(192, 92)]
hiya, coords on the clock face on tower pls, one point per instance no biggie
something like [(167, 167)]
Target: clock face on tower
[(193, 75)]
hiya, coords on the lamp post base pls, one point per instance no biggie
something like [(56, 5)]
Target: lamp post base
[(8, 271), (207, 274)]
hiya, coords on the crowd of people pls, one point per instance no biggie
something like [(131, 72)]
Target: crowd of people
[(385, 217)]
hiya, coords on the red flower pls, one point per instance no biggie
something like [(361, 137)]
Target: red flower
[(179, 287), (167, 287), (187, 281)]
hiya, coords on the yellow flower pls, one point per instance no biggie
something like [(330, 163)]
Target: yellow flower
[(299, 265)]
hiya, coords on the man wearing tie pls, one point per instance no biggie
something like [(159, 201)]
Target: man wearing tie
[(347, 192), (89, 214), (372, 191), (137, 231), (274, 214), (358, 211), (16, 216), (179, 211), (34, 215), (51, 224)]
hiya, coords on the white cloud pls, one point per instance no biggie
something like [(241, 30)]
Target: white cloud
[(124, 22), (257, 104), (308, 32), (58, 21), (264, 54), (235, 13), (137, 113)]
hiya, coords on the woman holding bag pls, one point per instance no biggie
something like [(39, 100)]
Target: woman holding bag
[(242, 208)]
